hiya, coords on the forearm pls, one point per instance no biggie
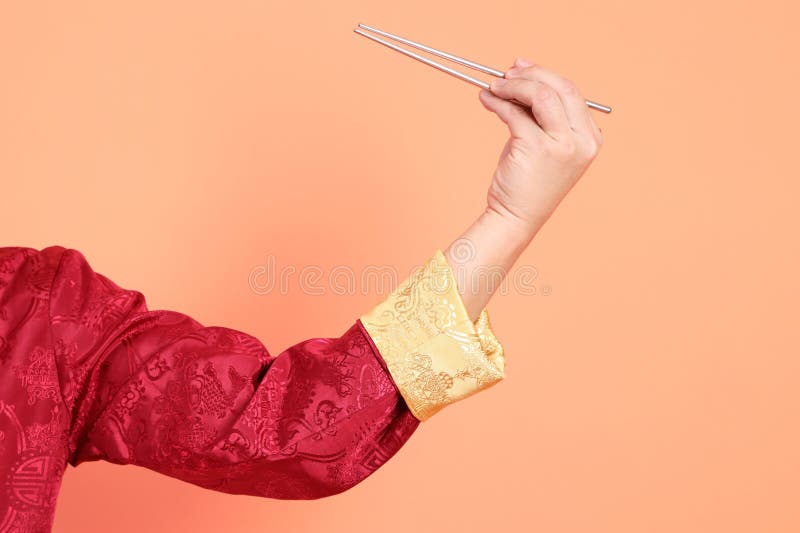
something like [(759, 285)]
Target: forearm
[(484, 253)]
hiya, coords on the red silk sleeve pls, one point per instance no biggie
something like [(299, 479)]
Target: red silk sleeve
[(88, 372), (210, 405)]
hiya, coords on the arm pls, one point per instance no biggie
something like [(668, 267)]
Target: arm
[(210, 405)]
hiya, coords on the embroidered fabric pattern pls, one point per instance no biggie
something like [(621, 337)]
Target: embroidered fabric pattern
[(87, 373), (434, 352)]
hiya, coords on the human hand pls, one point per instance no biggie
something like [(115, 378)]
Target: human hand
[(553, 141)]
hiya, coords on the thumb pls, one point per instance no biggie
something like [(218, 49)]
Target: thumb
[(519, 121)]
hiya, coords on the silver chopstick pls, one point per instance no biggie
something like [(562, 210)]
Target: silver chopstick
[(443, 68)]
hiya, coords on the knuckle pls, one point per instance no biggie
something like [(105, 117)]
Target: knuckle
[(544, 94), (592, 147), (498, 84), (597, 133), (562, 150), (550, 148), (569, 148), (570, 88), (596, 141)]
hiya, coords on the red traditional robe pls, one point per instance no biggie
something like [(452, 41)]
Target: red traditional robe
[(87, 373)]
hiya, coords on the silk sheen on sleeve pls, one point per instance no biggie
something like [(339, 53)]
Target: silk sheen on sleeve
[(209, 405), (90, 373)]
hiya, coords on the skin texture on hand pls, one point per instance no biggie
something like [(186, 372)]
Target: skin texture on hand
[(553, 141)]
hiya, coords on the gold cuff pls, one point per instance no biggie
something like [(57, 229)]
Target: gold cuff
[(435, 353)]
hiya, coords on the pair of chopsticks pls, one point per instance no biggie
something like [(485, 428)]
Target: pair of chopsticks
[(461, 60)]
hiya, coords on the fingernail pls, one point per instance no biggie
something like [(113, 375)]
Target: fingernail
[(513, 71), (499, 82), (523, 63)]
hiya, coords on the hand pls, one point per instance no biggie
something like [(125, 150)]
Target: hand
[(553, 141)]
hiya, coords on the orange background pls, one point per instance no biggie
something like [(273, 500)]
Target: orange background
[(655, 389)]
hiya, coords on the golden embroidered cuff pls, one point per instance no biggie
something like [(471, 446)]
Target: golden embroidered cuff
[(435, 353)]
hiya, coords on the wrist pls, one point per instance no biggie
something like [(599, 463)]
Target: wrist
[(492, 244), (510, 229)]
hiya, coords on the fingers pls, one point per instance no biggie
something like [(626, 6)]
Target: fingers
[(517, 118), (542, 99), (578, 113)]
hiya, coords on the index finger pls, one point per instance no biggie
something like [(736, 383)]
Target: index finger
[(541, 99), (574, 103)]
